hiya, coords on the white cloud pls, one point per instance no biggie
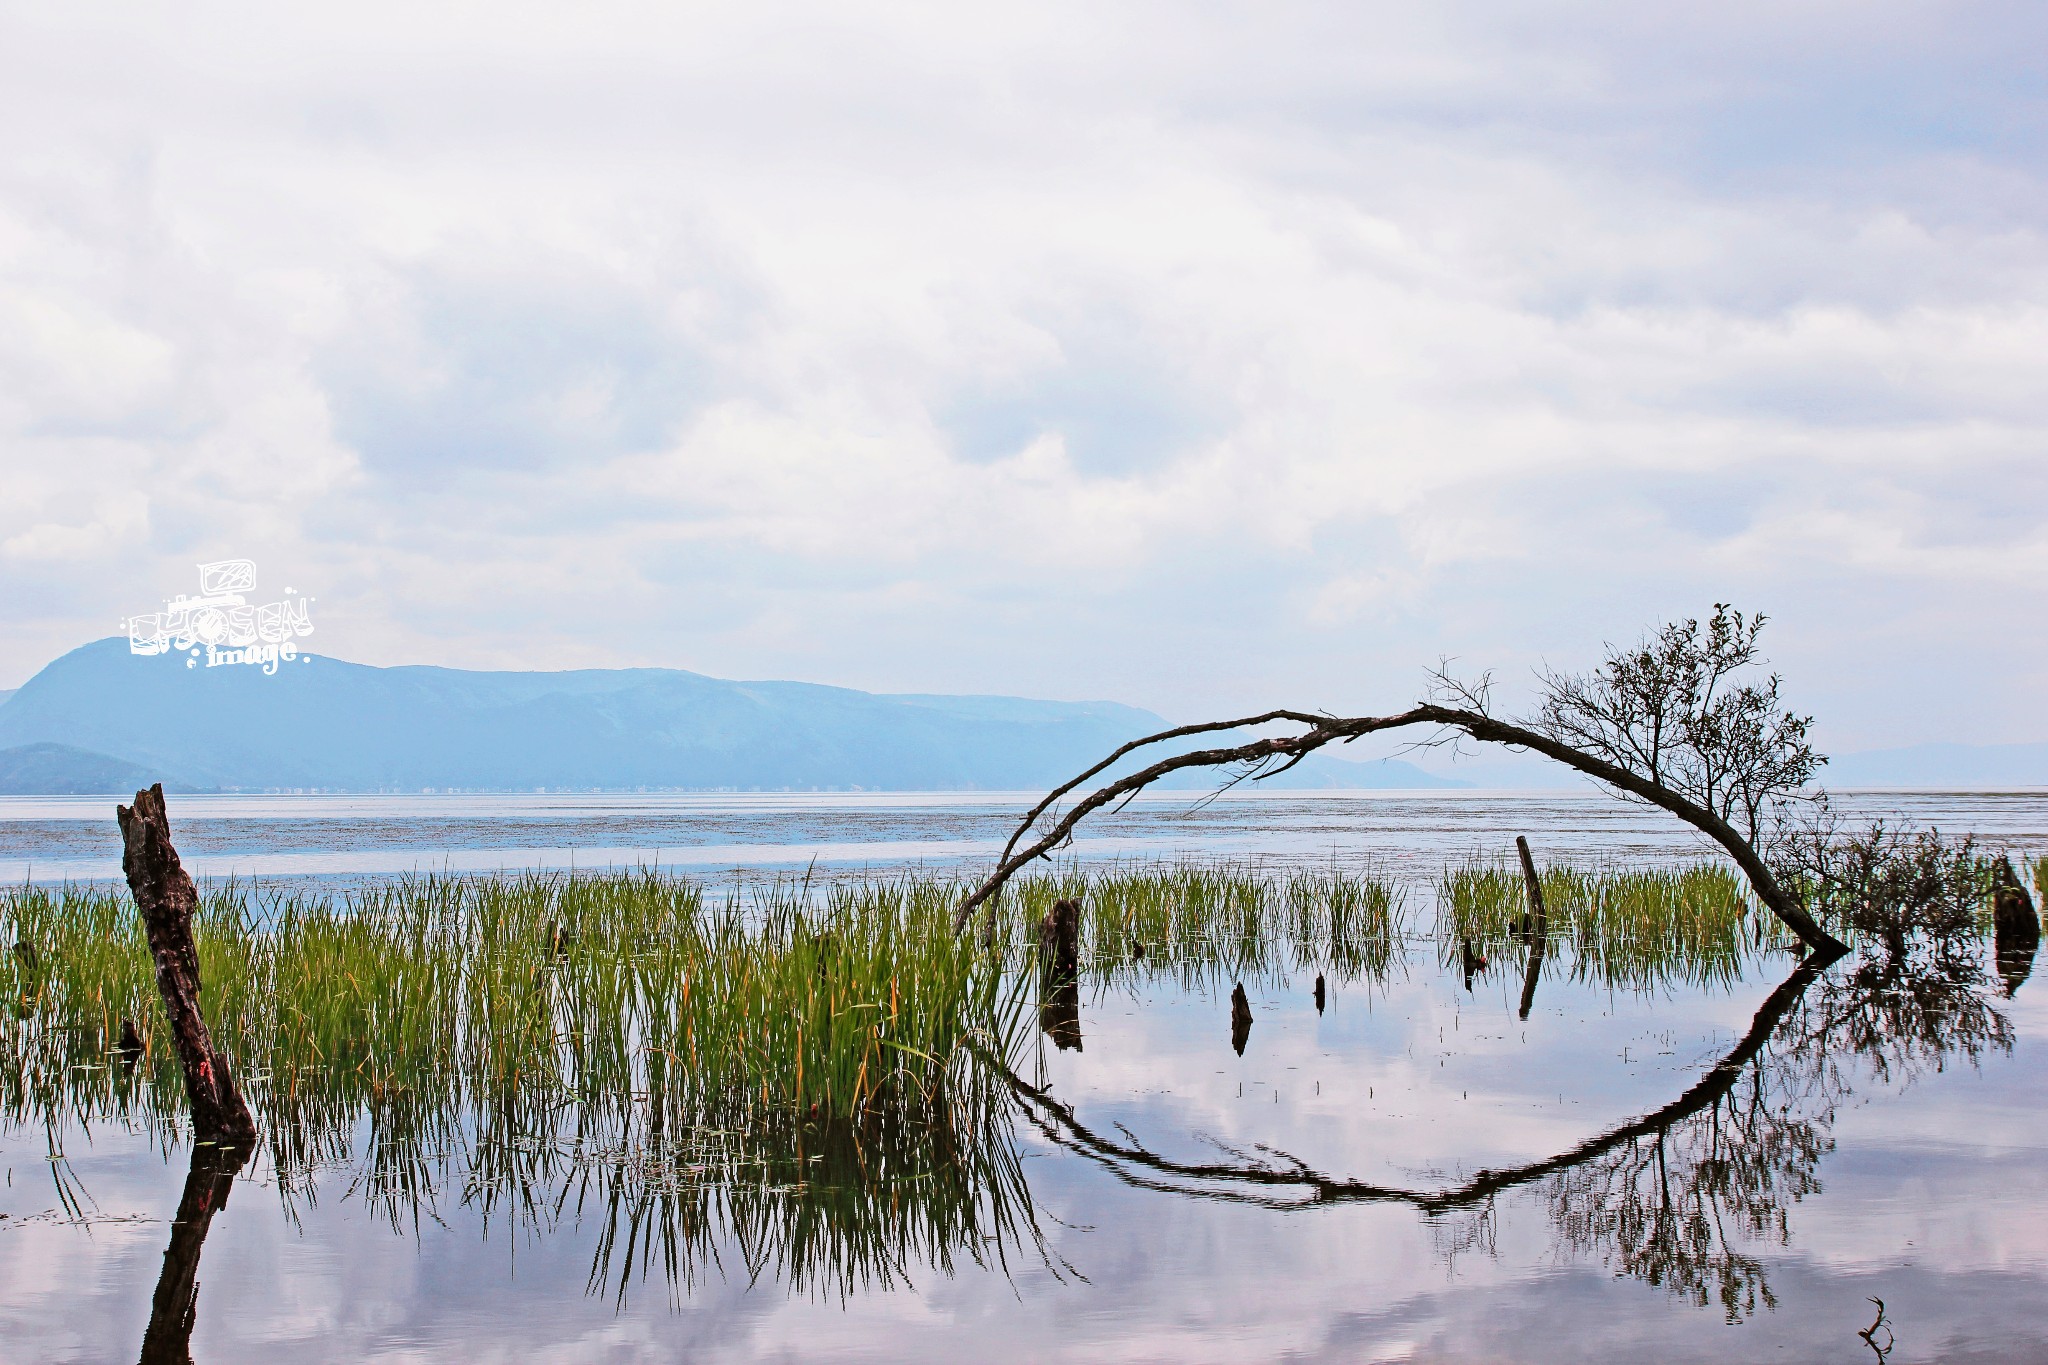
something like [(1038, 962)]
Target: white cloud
[(1141, 352)]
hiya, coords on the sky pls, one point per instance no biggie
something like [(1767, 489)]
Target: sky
[(1206, 358)]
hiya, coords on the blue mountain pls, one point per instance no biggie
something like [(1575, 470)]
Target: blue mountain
[(327, 724)]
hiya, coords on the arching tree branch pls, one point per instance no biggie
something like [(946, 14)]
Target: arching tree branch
[(1661, 723)]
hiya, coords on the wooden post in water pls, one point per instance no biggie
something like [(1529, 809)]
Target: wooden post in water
[(167, 899), (1536, 926), (1536, 922)]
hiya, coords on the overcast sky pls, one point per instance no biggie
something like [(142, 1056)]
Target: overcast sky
[(1194, 356)]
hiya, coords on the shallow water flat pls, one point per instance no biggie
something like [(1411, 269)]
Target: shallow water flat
[(314, 841)]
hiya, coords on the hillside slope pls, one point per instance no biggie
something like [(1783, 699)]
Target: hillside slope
[(328, 724)]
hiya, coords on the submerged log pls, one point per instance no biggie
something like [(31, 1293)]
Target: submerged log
[(1240, 1019), (128, 1048), (167, 899)]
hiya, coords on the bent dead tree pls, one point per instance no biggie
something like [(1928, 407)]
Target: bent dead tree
[(1663, 722), (167, 899)]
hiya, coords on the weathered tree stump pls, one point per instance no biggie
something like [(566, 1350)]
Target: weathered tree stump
[(1059, 941), (167, 899), (128, 1047), (1532, 972), (1240, 1019), (1059, 974), (2015, 925)]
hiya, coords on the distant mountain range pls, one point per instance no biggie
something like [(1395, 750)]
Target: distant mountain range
[(60, 770), (101, 719)]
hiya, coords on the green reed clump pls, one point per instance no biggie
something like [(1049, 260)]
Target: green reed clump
[(1481, 903), (802, 1077), (605, 991), (1629, 928), (1200, 923)]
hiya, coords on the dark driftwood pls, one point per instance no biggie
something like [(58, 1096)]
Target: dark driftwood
[(2012, 909), (167, 899), (168, 1339), (1287, 750)]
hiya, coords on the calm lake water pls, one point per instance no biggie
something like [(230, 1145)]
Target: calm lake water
[(1727, 1171), (331, 841)]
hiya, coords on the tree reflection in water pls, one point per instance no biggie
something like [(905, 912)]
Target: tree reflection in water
[(209, 1180), (1674, 1196)]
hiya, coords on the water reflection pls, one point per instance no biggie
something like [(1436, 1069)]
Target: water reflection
[(1673, 1196), (175, 1307), (1688, 1196), (832, 1210), (1059, 1014)]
